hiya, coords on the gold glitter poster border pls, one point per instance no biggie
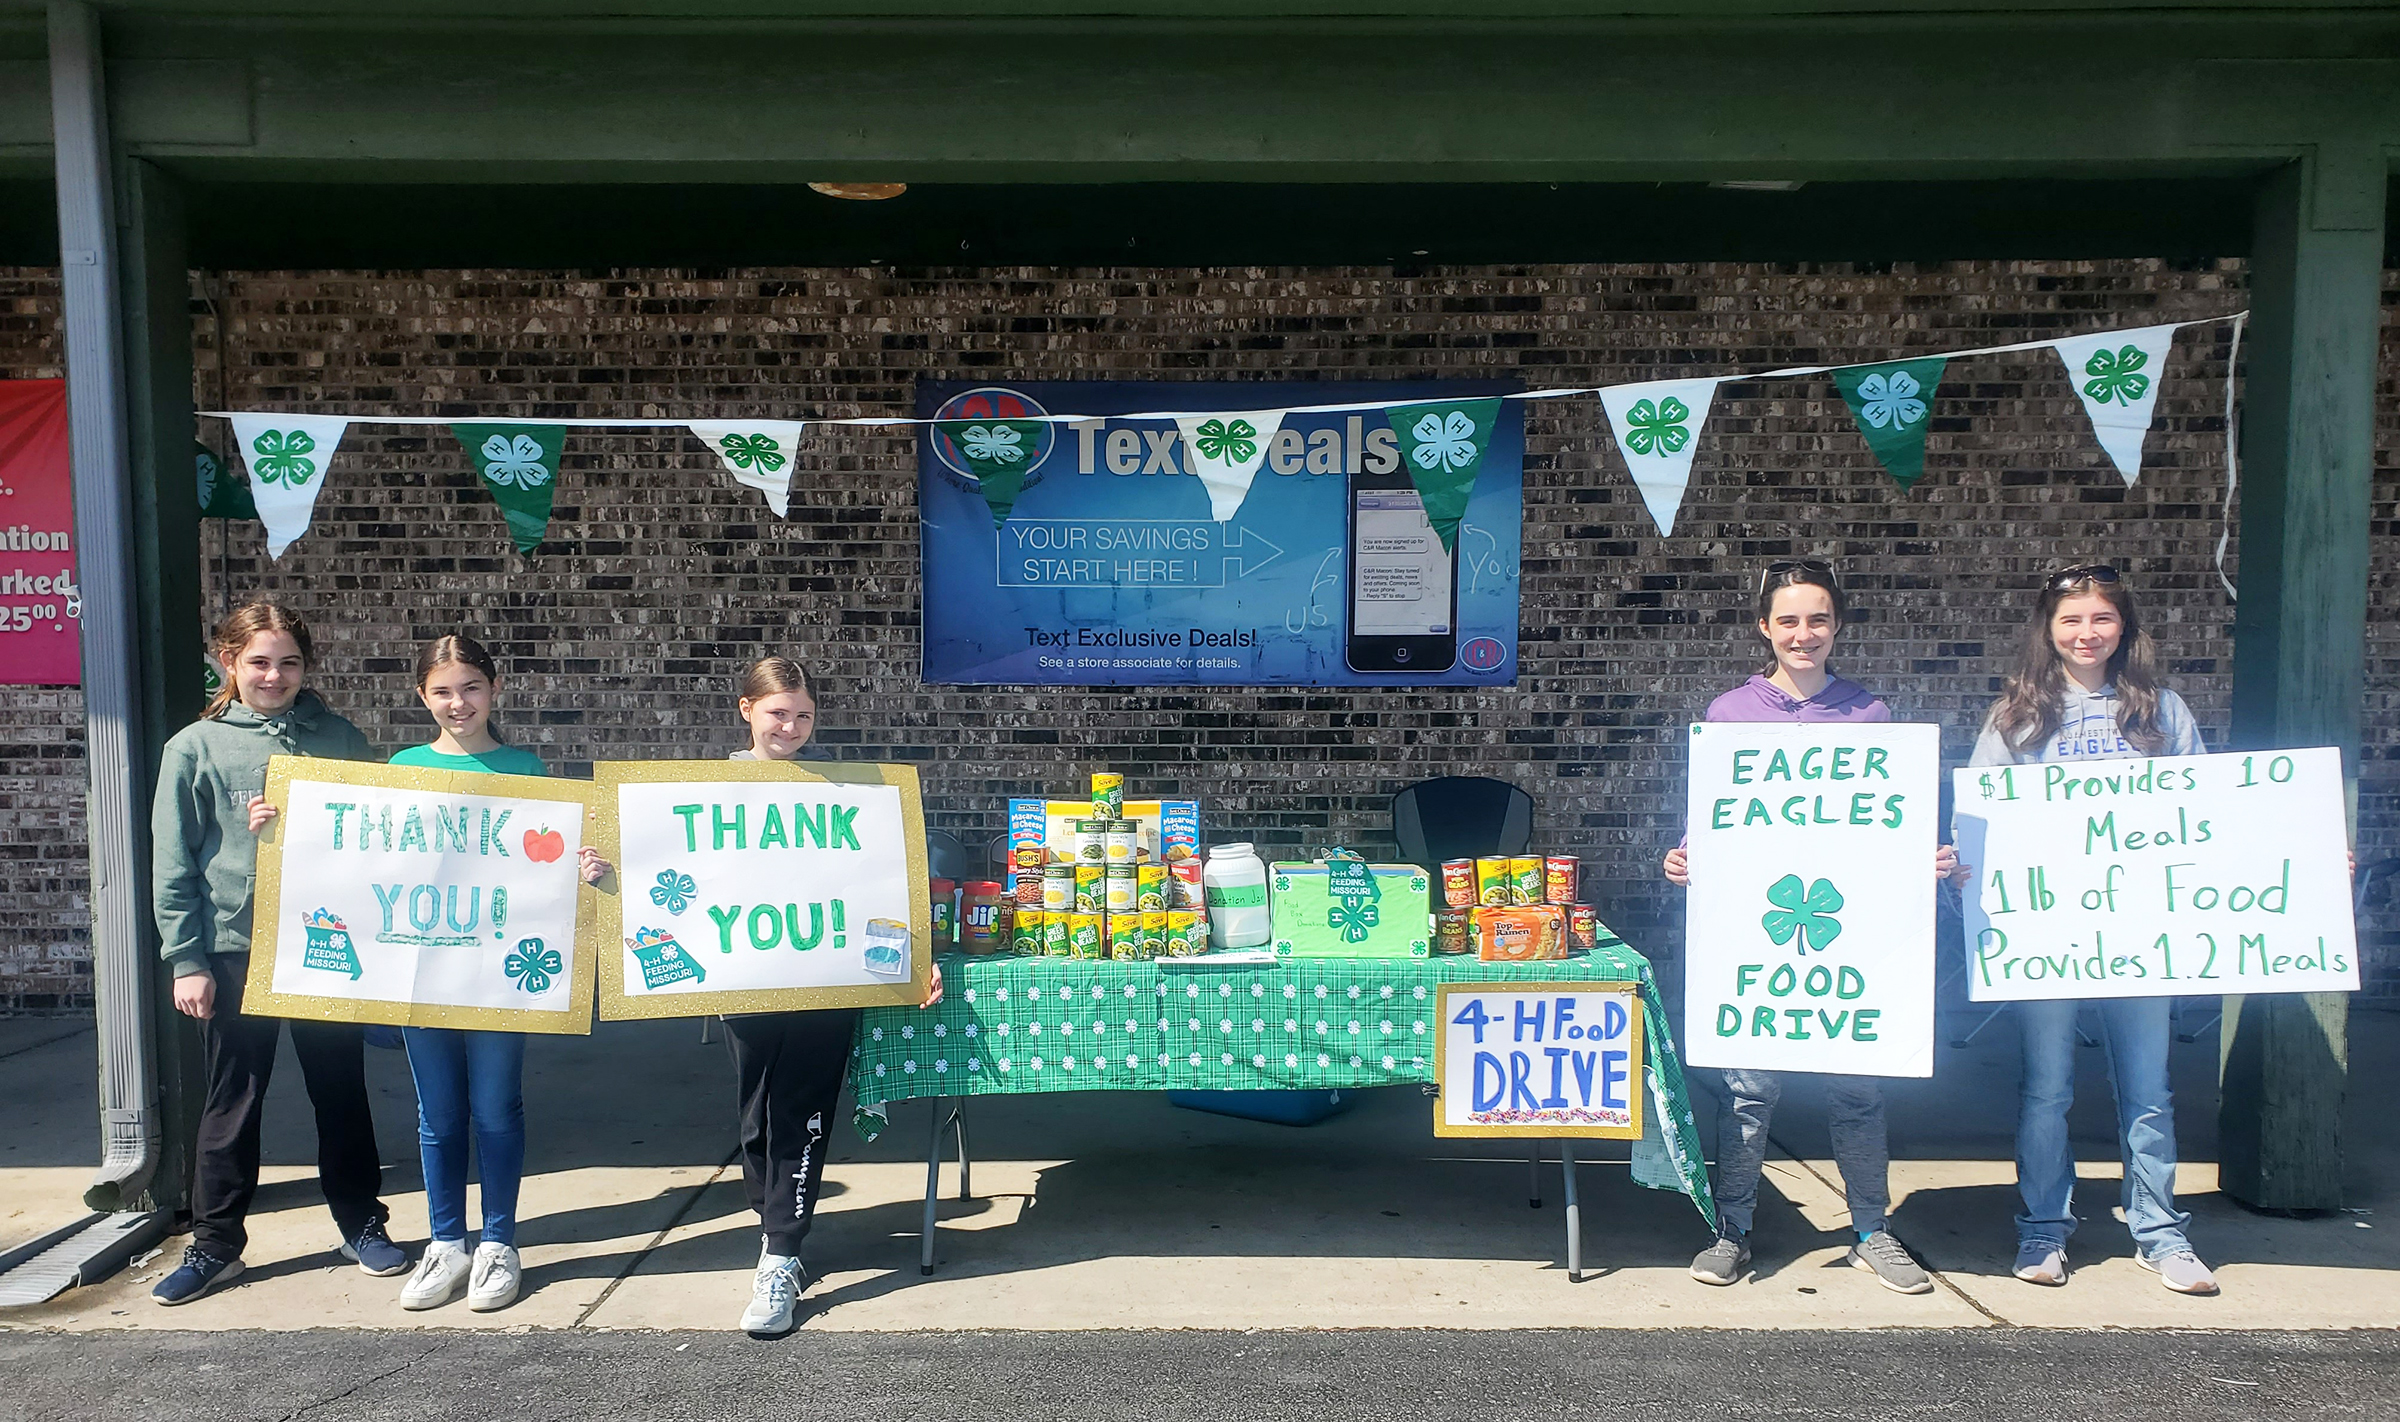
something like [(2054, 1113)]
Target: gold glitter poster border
[(616, 1005), (259, 997)]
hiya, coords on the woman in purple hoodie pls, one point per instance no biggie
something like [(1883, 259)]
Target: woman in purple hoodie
[(1800, 609)]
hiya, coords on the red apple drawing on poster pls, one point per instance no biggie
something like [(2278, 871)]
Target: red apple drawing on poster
[(544, 846)]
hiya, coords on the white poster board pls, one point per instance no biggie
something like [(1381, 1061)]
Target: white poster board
[(421, 898), (762, 886), (1539, 1059), (1808, 932), (2172, 876)]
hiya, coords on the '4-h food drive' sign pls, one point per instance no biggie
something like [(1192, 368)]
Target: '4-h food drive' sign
[(762, 886), (1809, 931), (2180, 875), (423, 898)]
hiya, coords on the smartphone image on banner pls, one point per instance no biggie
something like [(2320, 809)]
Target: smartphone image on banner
[(1403, 603)]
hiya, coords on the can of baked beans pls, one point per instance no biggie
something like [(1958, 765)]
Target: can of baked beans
[(1458, 883), (1583, 927), (1451, 930), (1560, 873)]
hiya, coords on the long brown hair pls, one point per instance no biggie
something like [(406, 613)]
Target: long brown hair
[(2027, 712), (770, 676), (465, 651), (233, 635)]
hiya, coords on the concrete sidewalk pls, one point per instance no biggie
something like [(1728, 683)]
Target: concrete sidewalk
[(1102, 1210)]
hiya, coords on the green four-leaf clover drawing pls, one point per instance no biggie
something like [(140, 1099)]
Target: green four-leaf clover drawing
[(533, 966), (1807, 912), (280, 457), (1445, 442), (1659, 428), (2116, 375), (1353, 917), (1230, 443), (752, 451), (1891, 401), (997, 444), (514, 463), (674, 891)]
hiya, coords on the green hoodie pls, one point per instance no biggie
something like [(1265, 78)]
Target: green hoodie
[(203, 858)]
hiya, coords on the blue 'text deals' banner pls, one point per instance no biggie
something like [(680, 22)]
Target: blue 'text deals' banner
[(1111, 570)]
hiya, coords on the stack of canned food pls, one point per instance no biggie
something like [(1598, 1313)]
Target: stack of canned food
[(1514, 909), (1103, 893)]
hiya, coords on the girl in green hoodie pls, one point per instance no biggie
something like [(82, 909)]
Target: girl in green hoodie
[(204, 867)]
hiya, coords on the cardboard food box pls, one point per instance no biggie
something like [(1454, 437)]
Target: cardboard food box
[(1311, 921)]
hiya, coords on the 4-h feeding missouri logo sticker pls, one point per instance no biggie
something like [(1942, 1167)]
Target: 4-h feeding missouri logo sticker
[(994, 442)]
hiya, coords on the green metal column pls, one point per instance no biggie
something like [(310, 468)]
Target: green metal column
[(156, 314), (2308, 441)]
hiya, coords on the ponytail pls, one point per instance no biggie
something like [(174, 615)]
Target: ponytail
[(233, 635)]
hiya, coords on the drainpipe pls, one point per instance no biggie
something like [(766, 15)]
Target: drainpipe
[(124, 970)]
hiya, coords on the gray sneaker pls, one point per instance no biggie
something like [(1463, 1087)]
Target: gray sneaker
[(1722, 1263), (2040, 1261), (2180, 1270), (1881, 1255)]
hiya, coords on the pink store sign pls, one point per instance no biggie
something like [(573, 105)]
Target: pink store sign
[(40, 640)]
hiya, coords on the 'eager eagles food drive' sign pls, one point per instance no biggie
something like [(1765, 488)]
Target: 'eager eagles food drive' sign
[(762, 886), (422, 898)]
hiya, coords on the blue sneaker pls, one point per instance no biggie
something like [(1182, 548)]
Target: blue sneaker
[(200, 1273), (374, 1252)]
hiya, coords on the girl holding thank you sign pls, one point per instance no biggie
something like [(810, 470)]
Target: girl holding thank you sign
[(2087, 689), (788, 1065), (204, 827), (1800, 610)]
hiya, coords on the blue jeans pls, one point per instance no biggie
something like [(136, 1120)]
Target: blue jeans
[(470, 1079), (1861, 1150), (2135, 1032)]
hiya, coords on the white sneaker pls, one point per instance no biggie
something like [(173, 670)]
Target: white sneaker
[(774, 1296), (497, 1273), (440, 1277)]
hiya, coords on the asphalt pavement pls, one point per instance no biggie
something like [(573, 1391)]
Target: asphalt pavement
[(1370, 1376)]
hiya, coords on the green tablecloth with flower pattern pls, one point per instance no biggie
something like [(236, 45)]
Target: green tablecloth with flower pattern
[(1015, 1025)]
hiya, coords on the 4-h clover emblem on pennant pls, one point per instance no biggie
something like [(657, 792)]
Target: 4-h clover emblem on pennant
[(759, 454), (1224, 452), (999, 453), (519, 464), (2116, 376), (1442, 447), (1657, 425), (222, 494), (1805, 912), (288, 456), (1353, 893), (1893, 405)]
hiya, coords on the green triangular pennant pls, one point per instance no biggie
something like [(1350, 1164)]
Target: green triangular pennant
[(519, 464), (997, 453), (222, 495), (1893, 404), (1442, 445)]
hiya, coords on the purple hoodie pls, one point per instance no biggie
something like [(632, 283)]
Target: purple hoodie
[(1759, 699)]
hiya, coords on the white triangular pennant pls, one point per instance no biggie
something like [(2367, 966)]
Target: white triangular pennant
[(1225, 451), (1658, 427), (288, 456), (759, 453), (2116, 375)]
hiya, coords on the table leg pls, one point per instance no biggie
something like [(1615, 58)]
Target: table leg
[(958, 1118), (1533, 1176), (933, 1185), (1566, 1166)]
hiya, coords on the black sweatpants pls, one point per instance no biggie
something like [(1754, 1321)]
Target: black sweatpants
[(789, 1066), (240, 1052)]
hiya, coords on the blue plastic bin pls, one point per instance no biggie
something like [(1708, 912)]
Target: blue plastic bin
[(1280, 1108)]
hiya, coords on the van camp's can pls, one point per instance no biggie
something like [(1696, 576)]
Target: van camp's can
[(1123, 842), (1186, 889), (1026, 888), (1560, 876), (1091, 893), (1150, 887), (1058, 887), (1087, 936), (1154, 933), (1583, 927), (1187, 933), (1452, 930), (1091, 841), (1491, 882), (1123, 887), (1458, 883), (1525, 880), (1108, 795), (1057, 933), (1025, 934), (1125, 935)]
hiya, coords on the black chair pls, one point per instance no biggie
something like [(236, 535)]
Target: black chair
[(1460, 817), (995, 857), (946, 857)]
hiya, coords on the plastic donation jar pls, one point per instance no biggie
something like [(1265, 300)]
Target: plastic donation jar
[(1235, 882)]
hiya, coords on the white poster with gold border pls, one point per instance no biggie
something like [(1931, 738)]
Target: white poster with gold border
[(762, 886), (422, 898)]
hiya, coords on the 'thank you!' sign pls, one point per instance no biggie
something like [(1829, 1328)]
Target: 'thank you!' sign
[(2158, 878), (1809, 932)]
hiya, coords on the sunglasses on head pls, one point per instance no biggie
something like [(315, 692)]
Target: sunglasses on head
[(2066, 578), (1785, 566)]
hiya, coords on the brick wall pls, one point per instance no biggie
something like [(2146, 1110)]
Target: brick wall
[(662, 578)]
